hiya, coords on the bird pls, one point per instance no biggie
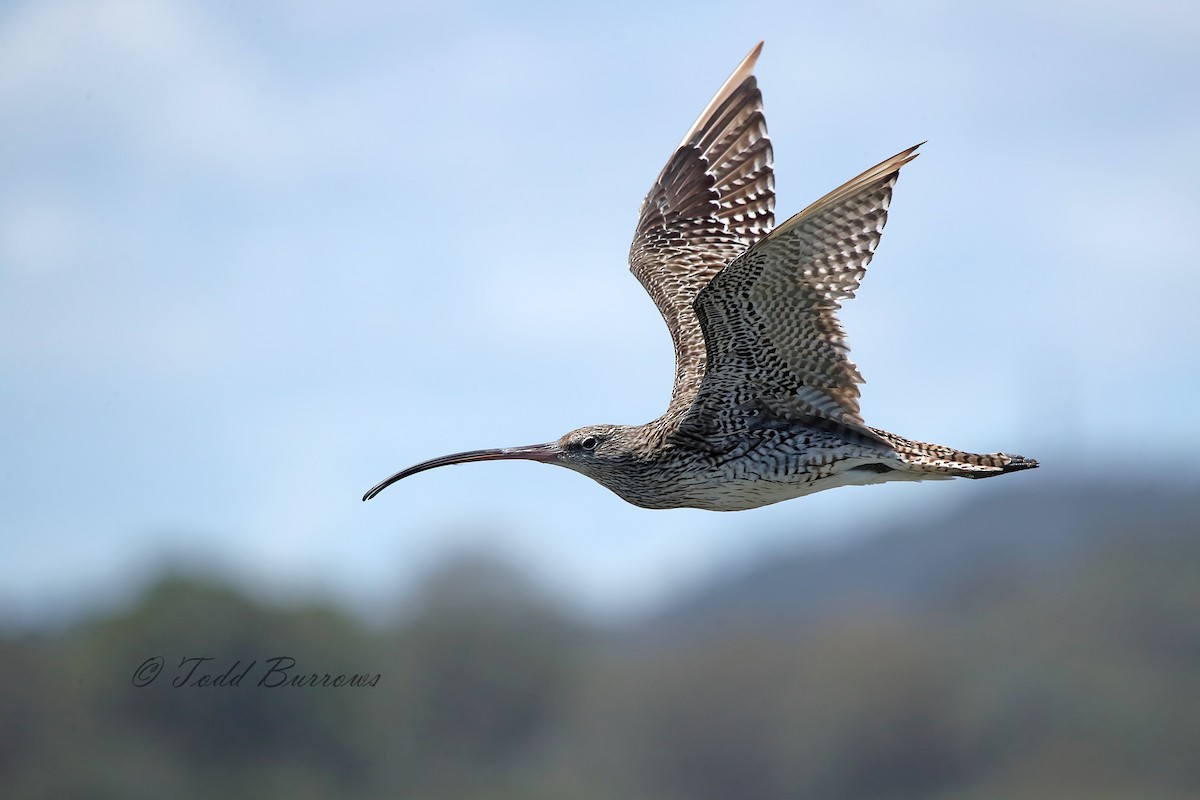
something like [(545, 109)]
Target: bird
[(765, 402)]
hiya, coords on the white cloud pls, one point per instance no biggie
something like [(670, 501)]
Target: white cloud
[(39, 235), (156, 78), (1143, 21)]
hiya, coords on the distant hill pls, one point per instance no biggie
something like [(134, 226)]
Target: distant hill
[(1039, 645), (1009, 539)]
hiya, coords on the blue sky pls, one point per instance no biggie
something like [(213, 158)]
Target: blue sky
[(255, 257)]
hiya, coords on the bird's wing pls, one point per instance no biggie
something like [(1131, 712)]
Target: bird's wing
[(773, 339), (714, 198)]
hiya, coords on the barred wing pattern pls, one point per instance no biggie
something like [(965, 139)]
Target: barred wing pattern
[(774, 342), (714, 198)]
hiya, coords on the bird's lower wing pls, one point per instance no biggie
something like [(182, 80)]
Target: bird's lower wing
[(774, 343)]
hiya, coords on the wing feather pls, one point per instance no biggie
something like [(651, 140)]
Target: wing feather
[(773, 340), (714, 199)]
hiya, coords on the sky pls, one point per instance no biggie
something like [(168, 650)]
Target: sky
[(255, 257)]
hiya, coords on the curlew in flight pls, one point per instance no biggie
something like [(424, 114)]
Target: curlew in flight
[(765, 402)]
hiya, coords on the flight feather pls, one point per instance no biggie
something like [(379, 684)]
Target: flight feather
[(773, 341), (713, 200)]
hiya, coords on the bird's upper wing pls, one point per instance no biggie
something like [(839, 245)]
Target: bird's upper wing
[(714, 198), (773, 339)]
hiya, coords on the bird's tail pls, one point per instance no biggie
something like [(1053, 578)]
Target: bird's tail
[(935, 460)]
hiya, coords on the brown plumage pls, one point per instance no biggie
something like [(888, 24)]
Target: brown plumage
[(765, 401)]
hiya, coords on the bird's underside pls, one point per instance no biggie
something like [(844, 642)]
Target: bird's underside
[(775, 459), (765, 400)]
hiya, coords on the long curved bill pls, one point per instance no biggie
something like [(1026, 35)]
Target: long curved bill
[(533, 452)]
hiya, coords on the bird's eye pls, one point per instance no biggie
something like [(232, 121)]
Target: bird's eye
[(588, 443)]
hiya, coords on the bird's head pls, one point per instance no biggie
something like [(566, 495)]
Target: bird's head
[(598, 451)]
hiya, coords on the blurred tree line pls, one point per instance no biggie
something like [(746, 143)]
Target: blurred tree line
[(1027, 683)]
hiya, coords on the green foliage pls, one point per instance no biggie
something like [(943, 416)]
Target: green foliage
[(1025, 684)]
